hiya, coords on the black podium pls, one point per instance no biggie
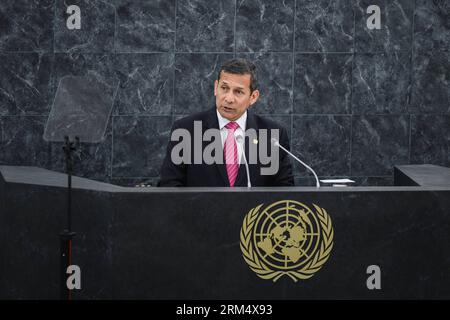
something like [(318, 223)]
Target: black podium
[(166, 243)]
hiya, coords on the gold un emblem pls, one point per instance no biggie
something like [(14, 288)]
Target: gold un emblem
[(286, 238)]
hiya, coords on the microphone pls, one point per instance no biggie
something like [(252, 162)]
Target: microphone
[(240, 140), (277, 144)]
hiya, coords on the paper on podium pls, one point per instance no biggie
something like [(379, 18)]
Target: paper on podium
[(337, 181)]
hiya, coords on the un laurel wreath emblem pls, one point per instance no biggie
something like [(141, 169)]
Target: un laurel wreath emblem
[(286, 238)]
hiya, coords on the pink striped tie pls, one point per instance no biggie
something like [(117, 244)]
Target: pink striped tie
[(231, 154)]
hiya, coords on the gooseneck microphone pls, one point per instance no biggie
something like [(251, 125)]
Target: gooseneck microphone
[(277, 144), (240, 140)]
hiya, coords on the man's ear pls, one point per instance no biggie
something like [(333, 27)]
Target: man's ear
[(254, 97), (216, 84)]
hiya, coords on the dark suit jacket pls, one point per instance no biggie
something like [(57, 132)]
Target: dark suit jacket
[(215, 175)]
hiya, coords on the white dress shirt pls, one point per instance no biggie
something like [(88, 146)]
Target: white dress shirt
[(239, 131)]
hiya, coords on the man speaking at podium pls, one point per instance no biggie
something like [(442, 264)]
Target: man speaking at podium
[(228, 126)]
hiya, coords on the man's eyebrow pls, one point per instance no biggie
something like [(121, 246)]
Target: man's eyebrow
[(238, 87)]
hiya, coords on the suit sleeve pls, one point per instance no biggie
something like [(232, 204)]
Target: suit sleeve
[(172, 175), (284, 177)]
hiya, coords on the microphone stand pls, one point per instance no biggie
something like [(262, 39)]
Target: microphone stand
[(67, 234), (277, 144), (241, 139)]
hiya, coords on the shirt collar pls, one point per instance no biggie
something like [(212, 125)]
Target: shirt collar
[(241, 121)]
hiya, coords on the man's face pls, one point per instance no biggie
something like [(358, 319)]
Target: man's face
[(233, 95)]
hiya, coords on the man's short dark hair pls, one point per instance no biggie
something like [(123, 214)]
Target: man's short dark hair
[(241, 66)]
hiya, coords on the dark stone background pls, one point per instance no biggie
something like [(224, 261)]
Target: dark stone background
[(355, 101)]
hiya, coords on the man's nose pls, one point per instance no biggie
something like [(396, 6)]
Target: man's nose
[(229, 98)]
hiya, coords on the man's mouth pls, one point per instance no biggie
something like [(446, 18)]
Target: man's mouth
[(228, 109)]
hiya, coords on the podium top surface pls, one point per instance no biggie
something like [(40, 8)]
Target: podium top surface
[(428, 177), (44, 177)]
